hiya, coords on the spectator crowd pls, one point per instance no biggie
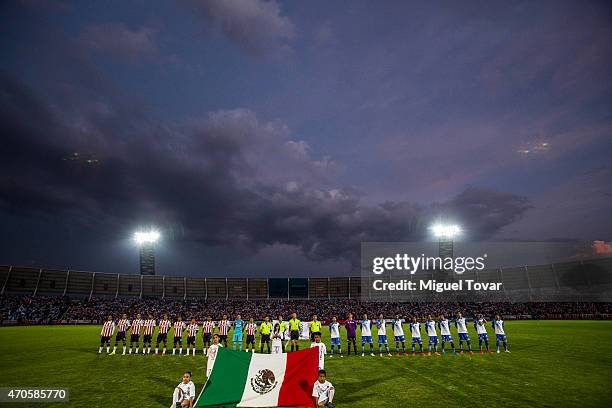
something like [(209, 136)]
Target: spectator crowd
[(41, 310)]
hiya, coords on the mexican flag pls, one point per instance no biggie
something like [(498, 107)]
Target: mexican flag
[(242, 379)]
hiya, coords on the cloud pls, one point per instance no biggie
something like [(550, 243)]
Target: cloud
[(256, 26), (118, 40), (226, 179), (602, 247)]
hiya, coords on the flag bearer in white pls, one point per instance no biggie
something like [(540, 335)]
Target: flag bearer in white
[(212, 354), (277, 339), (184, 393), (322, 351), (323, 391)]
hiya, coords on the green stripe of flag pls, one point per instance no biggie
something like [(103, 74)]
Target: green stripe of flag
[(226, 383)]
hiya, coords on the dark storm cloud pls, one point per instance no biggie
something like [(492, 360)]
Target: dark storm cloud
[(256, 26), (120, 41), (225, 179)]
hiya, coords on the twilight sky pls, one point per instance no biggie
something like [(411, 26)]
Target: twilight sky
[(271, 138)]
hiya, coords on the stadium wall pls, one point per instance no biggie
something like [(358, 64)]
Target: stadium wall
[(539, 279)]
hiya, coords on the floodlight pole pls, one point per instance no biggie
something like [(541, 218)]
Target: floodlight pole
[(147, 258)]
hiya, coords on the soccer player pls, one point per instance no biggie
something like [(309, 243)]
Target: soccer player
[(179, 328), (184, 393), (322, 351), (162, 335), (251, 328), (149, 328), (462, 331), (398, 334), (123, 325), (430, 327), (294, 327), (498, 325), (334, 332), (238, 327), (135, 337), (265, 329), (212, 355), (415, 331), (207, 330), (444, 326), (381, 324), (351, 333), (224, 326), (192, 332), (366, 335), (277, 339), (323, 391), (108, 328), (481, 328), (315, 327)]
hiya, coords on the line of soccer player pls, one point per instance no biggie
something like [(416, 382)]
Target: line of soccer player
[(276, 336)]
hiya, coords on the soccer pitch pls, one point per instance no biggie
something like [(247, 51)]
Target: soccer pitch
[(553, 363)]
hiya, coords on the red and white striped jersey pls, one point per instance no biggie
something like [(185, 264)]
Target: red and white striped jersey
[(164, 326), (192, 330), (207, 327), (149, 327), (251, 328), (107, 328), (137, 326), (224, 327), (123, 325), (178, 328)]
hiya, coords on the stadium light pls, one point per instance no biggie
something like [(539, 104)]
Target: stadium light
[(146, 237), (442, 231)]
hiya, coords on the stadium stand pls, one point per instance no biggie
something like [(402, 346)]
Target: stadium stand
[(34, 295)]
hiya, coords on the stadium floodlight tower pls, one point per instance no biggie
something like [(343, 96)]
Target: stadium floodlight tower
[(146, 241), (446, 234)]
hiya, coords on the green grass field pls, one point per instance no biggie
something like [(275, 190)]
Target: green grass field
[(553, 363)]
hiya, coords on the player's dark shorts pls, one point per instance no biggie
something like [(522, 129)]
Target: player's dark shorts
[(191, 340), (162, 337), (223, 338), (104, 339), (351, 339), (120, 336), (206, 336), (250, 339), (313, 334), (147, 338), (265, 338), (483, 336), (134, 338), (178, 339), (501, 337), (295, 335)]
